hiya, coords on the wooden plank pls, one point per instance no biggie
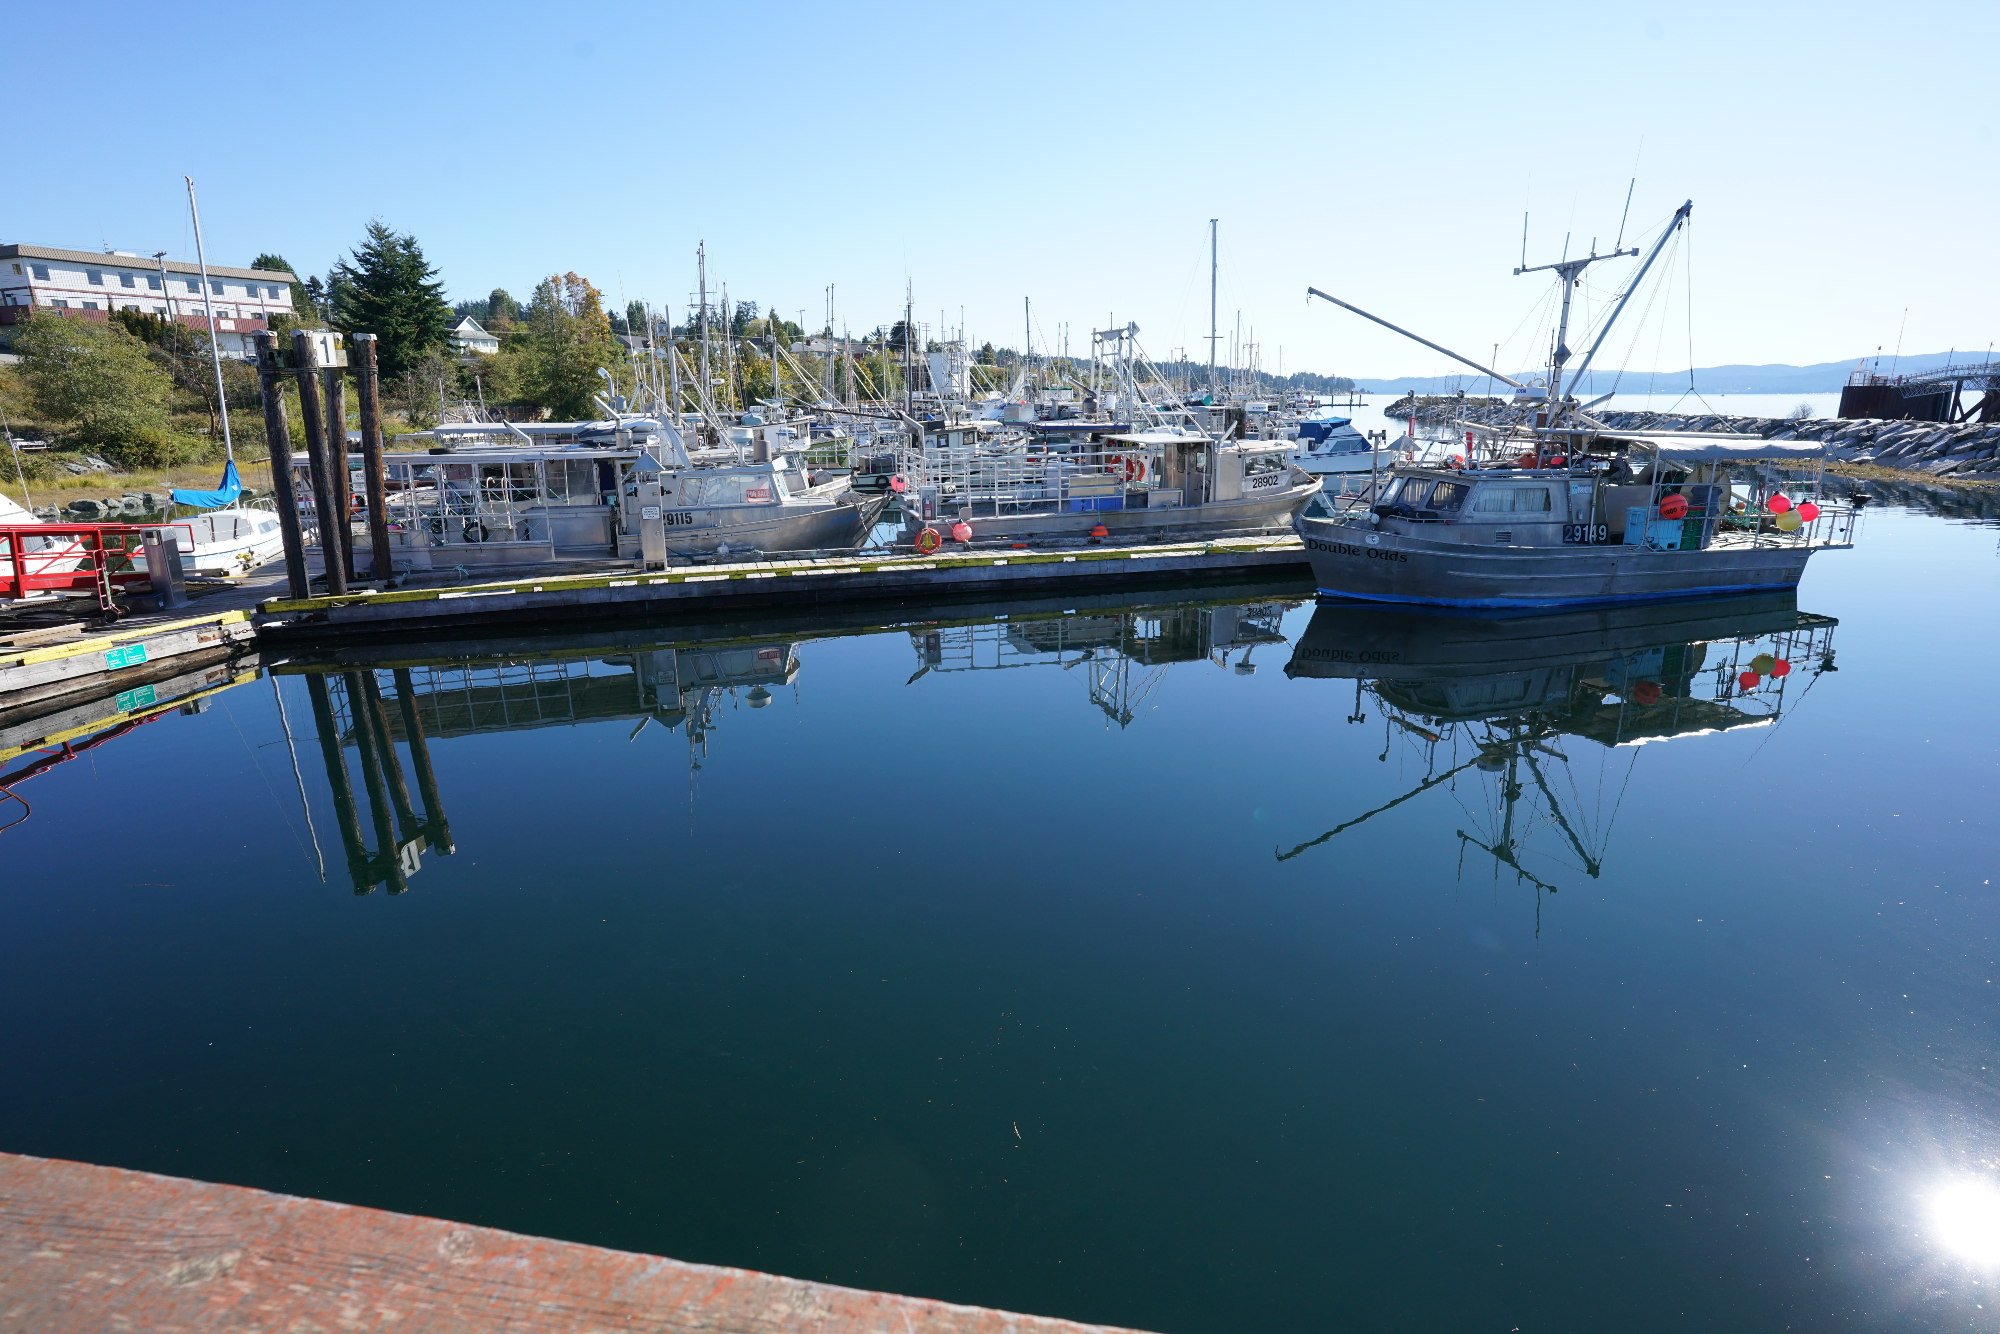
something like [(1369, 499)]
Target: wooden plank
[(100, 1248)]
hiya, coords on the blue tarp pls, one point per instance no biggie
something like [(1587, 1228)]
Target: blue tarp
[(225, 494)]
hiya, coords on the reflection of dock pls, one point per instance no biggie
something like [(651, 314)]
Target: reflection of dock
[(1123, 651)]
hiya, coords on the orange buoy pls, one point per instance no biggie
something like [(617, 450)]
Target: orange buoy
[(929, 540), (1778, 504), (1808, 511), (1099, 531), (961, 532), (897, 484), (1674, 506)]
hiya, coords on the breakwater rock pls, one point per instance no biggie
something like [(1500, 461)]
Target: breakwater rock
[(1942, 449)]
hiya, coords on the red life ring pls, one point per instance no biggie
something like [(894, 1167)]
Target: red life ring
[(929, 540), (1135, 468)]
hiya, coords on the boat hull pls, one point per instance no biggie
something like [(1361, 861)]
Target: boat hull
[(1251, 514), (840, 526), (1353, 561)]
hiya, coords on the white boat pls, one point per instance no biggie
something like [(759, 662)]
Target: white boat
[(1328, 445), (227, 542)]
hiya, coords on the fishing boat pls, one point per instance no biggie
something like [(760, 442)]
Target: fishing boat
[(228, 542), (1113, 486), (532, 504), (1565, 512)]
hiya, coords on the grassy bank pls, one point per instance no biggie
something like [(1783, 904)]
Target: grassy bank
[(1873, 472)]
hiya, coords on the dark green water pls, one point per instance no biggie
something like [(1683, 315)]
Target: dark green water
[(992, 984)]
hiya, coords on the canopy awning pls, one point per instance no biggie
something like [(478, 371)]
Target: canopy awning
[(1713, 446)]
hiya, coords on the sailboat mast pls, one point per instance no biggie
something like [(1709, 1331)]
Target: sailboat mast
[(207, 300)]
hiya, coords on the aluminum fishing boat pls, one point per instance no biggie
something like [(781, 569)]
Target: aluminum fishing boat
[(1563, 512)]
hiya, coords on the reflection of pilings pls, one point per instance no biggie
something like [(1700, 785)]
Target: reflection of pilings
[(392, 765), (369, 743), (336, 779), (436, 825)]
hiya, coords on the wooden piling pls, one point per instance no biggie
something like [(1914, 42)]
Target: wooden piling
[(305, 364), (407, 823), (280, 436), (333, 381), (436, 828), (344, 813), (368, 391), (387, 859)]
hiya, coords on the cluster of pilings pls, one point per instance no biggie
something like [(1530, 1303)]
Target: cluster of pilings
[(402, 832), (1942, 449), (323, 410)]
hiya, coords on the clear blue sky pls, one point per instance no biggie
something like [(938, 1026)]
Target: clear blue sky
[(1840, 159)]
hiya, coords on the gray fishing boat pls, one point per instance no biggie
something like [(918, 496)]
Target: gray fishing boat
[(1563, 512)]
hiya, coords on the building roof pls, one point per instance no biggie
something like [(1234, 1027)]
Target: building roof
[(470, 328), (129, 260)]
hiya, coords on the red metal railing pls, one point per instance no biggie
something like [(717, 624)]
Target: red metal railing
[(73, 557)]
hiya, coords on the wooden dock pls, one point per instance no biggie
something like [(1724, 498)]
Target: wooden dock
[(982, 574), (45, 671), (100, 1248)]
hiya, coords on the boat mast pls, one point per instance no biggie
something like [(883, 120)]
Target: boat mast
[(701, 272), (1568, 272), (1679, 220), (214, 349), (1211, 305)]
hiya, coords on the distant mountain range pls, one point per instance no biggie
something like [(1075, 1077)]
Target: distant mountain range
[(1824, 378)]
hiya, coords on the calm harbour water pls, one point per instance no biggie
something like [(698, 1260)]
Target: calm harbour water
[(982, 960)]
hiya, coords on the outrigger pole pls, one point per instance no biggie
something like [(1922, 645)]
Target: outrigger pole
[(1397, 328)]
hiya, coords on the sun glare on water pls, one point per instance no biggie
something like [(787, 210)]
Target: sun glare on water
[(1965, 1218)]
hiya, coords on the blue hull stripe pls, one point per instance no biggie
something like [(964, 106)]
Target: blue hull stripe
[(1673, 595)]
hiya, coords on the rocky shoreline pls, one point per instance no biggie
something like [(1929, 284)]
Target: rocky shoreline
[(1941, 449)]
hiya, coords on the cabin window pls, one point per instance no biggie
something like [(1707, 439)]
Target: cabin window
[(1448, 496), (125, 280), (1514, 500), (96, 277), (152, 282), (41, 271)]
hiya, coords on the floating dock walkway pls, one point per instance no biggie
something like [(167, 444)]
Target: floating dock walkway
[(982, 574)]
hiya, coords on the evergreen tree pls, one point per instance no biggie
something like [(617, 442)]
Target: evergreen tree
[(388, 289), (302, 300), (501, 309)]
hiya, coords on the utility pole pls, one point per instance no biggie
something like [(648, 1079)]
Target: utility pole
[(166, 287)]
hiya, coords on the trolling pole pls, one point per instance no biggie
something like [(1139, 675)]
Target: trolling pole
[(207, 300), (1679, 220), (1418, 338)]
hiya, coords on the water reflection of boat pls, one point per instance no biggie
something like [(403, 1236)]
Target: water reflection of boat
[(1498, 697), (1125, 651)]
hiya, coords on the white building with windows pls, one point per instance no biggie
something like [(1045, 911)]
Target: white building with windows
[(471, 336), (89, 284)]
